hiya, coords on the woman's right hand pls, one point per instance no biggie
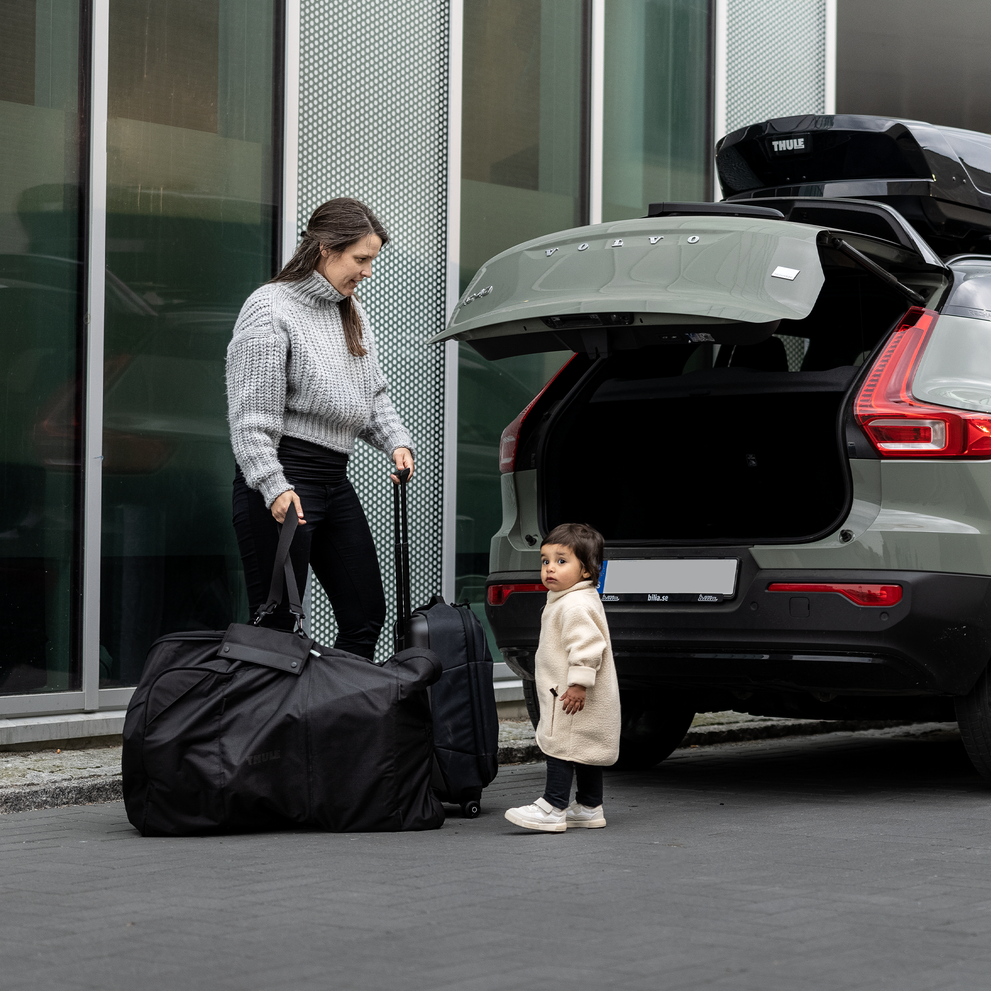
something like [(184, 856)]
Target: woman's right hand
[(281, 506)]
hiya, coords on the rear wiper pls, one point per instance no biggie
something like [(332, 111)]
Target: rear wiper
[(872, 266)]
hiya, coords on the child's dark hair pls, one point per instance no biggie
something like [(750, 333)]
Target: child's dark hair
[(586, 544)]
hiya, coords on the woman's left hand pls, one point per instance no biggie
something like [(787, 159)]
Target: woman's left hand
[(404, 459)]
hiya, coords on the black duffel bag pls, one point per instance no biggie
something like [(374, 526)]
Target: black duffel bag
[(254, 728)]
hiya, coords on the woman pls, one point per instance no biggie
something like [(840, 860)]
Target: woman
[(303, 381)]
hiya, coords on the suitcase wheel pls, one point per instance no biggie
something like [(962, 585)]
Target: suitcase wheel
[(470, 809)]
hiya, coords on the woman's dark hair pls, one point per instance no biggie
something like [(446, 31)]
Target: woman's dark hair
[(585, 543), (335, 225)]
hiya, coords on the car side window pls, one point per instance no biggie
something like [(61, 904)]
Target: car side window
[(956, 367)]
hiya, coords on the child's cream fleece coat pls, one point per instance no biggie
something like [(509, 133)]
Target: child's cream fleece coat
[(575, 649)]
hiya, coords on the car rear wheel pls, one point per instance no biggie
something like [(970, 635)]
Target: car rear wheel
[(974, 718), (650, 732)]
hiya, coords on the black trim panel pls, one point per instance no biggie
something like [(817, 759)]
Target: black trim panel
[(937, 640)]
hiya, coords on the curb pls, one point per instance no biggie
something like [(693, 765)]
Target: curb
[(701, 736), (107, 788), (29, 798)]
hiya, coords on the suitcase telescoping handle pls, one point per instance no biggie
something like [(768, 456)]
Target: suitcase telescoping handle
[(283, 576), (403, 608)]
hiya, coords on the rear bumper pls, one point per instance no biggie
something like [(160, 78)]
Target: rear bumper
[(936, 641)]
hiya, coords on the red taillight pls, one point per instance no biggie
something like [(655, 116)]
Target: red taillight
[(56, 434), (509, 441), (134, 454), (497, 594), (856, 592), (901, 426)]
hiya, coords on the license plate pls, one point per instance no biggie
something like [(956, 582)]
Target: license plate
[(669, 580)]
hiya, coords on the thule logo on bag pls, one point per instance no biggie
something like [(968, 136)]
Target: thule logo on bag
[(262, 758), (795, 145)]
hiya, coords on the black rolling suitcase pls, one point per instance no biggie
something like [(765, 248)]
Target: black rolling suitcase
[(255, 728), (466, 723)]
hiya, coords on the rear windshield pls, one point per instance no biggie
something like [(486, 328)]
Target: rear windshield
[(853, 312)]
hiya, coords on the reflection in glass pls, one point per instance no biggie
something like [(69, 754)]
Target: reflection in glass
[(190, 233), (491, 395), (521, 161), (656, 142), (524, 130), (40, 324), (523, 175)]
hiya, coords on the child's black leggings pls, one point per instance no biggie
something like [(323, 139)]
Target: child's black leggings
[(560, 774)]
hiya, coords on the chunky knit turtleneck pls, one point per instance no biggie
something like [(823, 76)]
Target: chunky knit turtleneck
[(290, 374)]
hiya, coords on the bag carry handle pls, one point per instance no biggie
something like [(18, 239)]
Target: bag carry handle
[(403, 608), (283, 576)]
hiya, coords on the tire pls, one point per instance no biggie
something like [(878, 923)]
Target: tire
[(530, 697), (648, 734), (974, 719)]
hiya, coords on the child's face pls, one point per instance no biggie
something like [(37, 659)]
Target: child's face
[(559, 568)]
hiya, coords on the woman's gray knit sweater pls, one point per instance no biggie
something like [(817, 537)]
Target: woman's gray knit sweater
[(290, 374)]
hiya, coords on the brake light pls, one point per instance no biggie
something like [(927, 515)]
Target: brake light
[(497, 594), (509, 441), (901, 426), (856, 592), (57, 435), (134, 454)]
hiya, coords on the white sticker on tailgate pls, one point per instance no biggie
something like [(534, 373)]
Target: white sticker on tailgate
[(669, 580)]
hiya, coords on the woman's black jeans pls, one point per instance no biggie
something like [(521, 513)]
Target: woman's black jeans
[(336, 543), (560, 774)]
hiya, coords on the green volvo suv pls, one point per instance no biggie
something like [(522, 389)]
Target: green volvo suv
[(778, 413)]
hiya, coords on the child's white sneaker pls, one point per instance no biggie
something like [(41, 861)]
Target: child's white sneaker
[(541, 815), (584, 817)]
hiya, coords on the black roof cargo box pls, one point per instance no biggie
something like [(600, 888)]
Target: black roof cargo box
[(938, 178)]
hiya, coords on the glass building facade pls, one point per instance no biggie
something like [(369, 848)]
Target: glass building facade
[(122, 272), (525, 172), (42, 217), (192, 195), (657, 132)]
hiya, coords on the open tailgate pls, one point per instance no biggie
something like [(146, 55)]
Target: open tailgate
[(635, 283)]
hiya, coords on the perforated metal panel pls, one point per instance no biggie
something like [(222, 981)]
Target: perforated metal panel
[(795, 350), (373, 125), (775, 60)]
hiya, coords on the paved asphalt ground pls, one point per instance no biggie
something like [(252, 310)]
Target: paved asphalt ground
[(837, 862)]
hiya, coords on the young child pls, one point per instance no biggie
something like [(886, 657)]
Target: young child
[(576, 685)]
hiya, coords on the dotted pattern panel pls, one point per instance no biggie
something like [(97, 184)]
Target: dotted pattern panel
[(795, 348), (775, 60), (373, 125)]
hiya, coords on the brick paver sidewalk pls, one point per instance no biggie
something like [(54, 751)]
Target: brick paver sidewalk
[(843, 862)]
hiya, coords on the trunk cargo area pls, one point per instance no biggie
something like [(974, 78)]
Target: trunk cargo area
[(724, 454), (701, 443)]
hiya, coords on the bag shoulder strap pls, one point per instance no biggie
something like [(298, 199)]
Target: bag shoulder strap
[(401, 515), (283, 576)]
